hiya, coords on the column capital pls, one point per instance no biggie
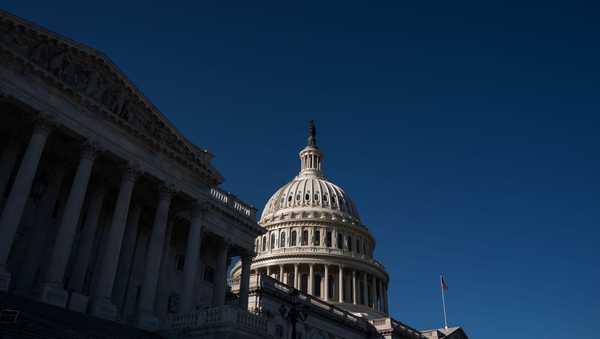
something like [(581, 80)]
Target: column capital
[(90, 150), (166, 191), (131, 171), (43, 123)]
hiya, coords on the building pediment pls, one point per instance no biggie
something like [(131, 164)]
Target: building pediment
[(91, 79)]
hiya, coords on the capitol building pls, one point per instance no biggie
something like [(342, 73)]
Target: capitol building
[(114, 225)]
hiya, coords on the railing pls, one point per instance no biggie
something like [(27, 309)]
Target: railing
[(320, 250), (227, 315), (230, 201)]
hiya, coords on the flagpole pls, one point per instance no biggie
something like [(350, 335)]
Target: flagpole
[(443, 301)]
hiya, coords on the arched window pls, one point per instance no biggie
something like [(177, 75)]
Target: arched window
[(340, 241), (264, 243), (317, 238), (328, 239), (304, 237), (317, 286), (349, 240), (293, 238), (282, 239), (273, 242), (257, 244), (357, 245)]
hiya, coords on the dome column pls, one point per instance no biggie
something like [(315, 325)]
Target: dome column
[(326, 271), (341, 284), (311, 279), (296, 279), (373, 292), (365, 292), (354, 289)]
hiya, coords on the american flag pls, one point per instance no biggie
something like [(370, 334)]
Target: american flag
[(443, 283)]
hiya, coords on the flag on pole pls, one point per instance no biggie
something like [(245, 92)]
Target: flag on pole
[(443, 282)]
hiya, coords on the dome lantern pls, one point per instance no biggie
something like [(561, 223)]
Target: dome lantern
[(311, 156)]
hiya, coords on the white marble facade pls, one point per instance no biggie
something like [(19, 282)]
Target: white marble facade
[(105, 208)]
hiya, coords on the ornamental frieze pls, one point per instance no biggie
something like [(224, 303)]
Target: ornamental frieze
[(88, 77)]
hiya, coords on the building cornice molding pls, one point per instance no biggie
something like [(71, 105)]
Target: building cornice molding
[(89, 78)]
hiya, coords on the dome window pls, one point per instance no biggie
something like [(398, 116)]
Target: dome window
[(316, 197), (290, 198), (306, 196), (298, 197)]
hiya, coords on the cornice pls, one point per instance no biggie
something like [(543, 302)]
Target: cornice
[(89, 78)]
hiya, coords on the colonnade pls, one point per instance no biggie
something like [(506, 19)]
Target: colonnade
[(115, 263), (332, 283)]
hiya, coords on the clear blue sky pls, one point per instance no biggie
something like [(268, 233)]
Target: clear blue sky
[(467, 133)]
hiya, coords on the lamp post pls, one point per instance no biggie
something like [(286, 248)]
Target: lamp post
[(294, 313)]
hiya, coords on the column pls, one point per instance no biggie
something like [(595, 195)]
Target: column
[(326, 295), (365, 292), (269, 271), (245, 281), (296, 278), (35, 246), (280, 273), (130, 241), (354, 289), (192, 258), (311, 279), (380, 295), (102, 305), (341, 284), (385, 300), (7, 163), (86, 242), (221, 275), (146, 318), (373, 292), (13, 209), (53, 290)]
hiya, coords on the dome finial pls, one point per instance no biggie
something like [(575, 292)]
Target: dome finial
[(312, 134)]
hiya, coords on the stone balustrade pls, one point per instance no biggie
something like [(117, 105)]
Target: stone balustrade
[(228, 200), (223, 315), (319, 250)]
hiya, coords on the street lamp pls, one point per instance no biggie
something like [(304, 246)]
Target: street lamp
[(294, 313)]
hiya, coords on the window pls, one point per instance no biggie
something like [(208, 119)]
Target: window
[(264, 243), (304, 283), (282, 239), (316, 197), (328, 239), (304, 237), (349, 243), (289, 198), (257, 245), (340, 241), (317, 238), (173, 303), (358, 245), (365, 247), (317, 286), (307, 197), (331, 287), (293, 239), (273, 242)]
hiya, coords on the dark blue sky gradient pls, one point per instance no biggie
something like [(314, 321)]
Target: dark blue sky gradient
[(467, 132)]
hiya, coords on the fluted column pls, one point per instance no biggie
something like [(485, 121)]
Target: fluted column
[(53, 292), (13, 209), (354, 289), (269, 271), (8, 160), (126, 258), (192, 258), (311, 279), (326, 271), (36, 243), (341, 284), (221, 275), (102, 305), (86, 242), (365, 291), (296, 278), (373, 292), (146, 317), (380, 296), (245, 281)]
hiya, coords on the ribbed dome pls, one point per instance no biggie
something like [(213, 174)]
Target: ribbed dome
[(310, 191)]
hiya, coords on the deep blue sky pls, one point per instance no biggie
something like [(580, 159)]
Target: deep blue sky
[(467, 133)]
